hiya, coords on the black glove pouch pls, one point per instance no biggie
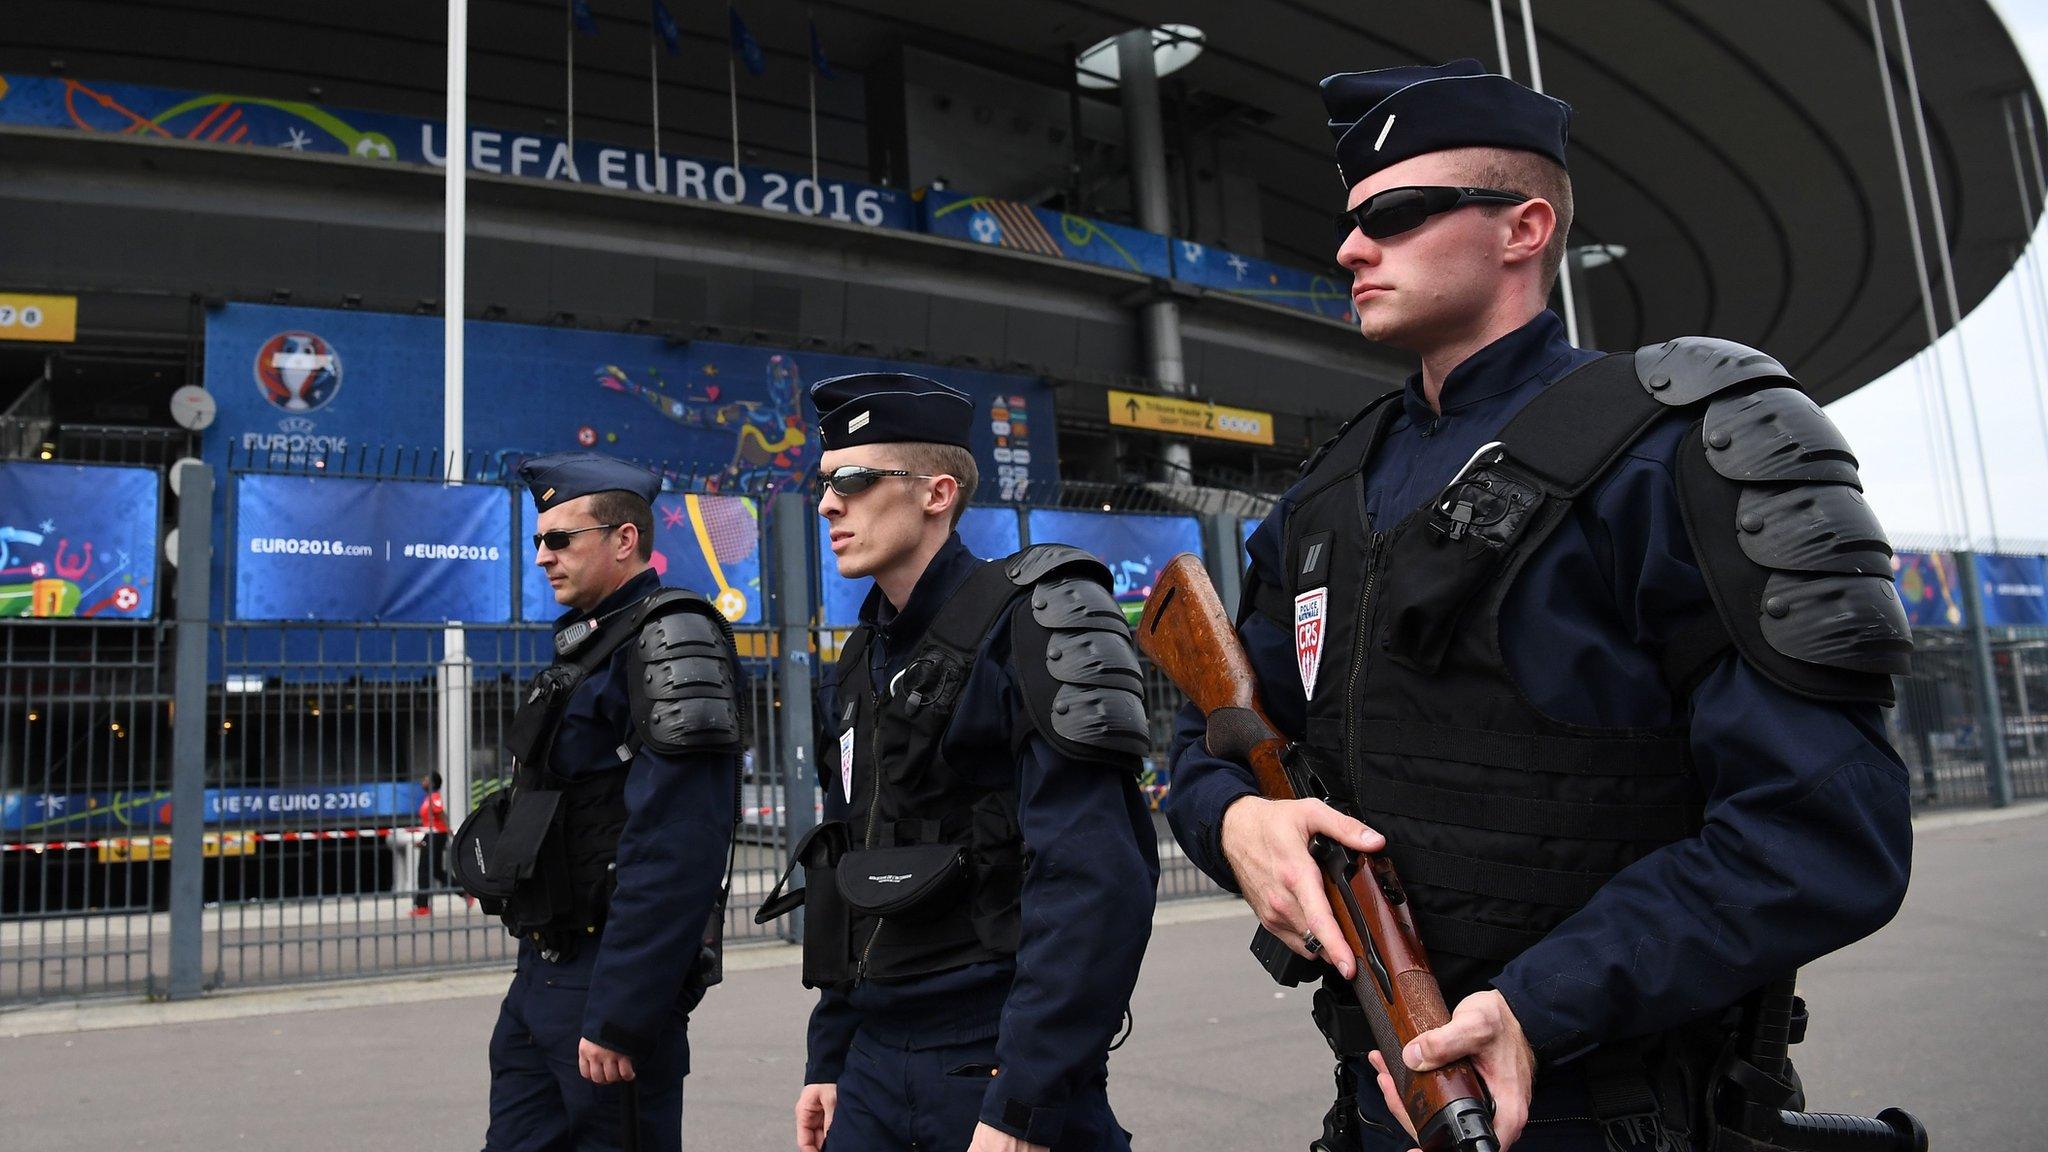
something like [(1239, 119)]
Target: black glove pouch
[(910, 883), (501, 842)]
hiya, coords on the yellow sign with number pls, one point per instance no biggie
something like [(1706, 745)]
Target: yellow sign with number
[(45, 319), (1179, 417)]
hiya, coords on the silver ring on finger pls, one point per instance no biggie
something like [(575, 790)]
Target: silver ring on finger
[(1309, 941)]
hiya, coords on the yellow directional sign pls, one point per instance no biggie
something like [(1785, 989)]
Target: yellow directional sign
[(1189, 418), (47, 319)]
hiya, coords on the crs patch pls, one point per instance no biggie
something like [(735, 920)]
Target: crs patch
[(1310, 615)]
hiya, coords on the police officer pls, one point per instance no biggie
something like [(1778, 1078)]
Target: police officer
[(980, 894), (1593, 645), (620, 820)]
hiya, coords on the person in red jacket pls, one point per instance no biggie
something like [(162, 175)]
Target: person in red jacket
[(433, 851)]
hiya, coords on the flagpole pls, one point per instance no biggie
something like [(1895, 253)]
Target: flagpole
[(569, 38), (732, 86), (654, 89), (820, 188)]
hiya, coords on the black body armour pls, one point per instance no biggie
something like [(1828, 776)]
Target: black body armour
[(925, 873), (541, 853), (1501, 820)]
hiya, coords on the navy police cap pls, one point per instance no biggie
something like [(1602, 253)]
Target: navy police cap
[(563, 476), (1383, 117), (890, 408)]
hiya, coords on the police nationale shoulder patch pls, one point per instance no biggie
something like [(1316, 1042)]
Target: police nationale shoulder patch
[(1310, 613)]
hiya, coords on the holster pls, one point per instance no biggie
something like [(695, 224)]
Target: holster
[(828, 922)]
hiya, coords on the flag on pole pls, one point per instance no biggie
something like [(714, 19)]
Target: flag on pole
[(665, 27), (818, 53), (744, 45), (579, 12)]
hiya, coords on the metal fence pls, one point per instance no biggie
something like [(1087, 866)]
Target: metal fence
[(307, 874)]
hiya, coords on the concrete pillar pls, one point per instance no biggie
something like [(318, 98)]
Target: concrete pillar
[(1145, 142)]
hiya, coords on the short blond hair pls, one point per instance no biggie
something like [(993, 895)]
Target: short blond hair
[(943, 460), (1534, 176)]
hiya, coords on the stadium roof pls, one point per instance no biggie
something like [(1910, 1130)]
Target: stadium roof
[(1739, 151)]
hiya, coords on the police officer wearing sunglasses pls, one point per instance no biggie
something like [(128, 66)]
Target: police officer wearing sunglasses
[(980, 893), (1603, 643), (607, 854)]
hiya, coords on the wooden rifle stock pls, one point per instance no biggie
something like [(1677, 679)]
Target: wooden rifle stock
[(1187, 634)]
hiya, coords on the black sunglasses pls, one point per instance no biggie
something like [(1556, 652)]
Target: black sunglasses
[(559, 538), (1399, 210), (852, 479)]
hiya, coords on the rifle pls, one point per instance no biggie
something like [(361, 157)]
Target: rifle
[(1187, 634)]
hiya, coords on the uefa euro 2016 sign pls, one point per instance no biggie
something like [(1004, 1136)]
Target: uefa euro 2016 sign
[(291, 125)]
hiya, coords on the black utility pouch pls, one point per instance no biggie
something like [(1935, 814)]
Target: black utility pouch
[(828, 925), (911, 883)]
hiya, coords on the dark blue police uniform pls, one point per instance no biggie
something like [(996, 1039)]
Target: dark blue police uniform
[(1017, 1037), (629, 982), (1806, 839), (1597, 642)]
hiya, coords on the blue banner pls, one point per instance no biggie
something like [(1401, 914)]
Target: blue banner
[(338, 549), (377, 137), (1134, 546), (990, 533), (1009, 224), (297, 384), (2015, 590), (1264, 281), (60, 815), (1930, 588), (78, 540), (710, 545)]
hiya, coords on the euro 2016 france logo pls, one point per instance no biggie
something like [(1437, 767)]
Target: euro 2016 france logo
[(298, 371)]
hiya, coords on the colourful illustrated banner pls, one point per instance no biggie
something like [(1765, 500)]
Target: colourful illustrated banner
[(1262, 280), (78, 540), (1930, 588), (2014, 590), (1135, 546), (710, 545), (331, 548), (1023, 228), (377, 137), (63, 815), (990, 533), (296, 385)]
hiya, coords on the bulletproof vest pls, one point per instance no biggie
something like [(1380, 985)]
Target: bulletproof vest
[(1500, 820), (575, 815), (909, 804)]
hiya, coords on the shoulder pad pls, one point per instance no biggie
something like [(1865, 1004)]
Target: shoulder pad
[(684, 678), (1798, 566), (1692, 368), (1079, 671), (1033, 564), (1777, 434)]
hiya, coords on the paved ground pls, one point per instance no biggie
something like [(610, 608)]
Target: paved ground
[(1941, 1012)]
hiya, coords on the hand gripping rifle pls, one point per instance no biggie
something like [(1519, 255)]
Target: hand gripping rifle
[(1186, 633)]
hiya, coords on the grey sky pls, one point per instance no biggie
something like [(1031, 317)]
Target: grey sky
[(1883, 420)]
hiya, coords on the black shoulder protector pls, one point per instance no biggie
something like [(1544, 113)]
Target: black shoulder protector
[(1086, 695), (1798, 567), (685, 677)]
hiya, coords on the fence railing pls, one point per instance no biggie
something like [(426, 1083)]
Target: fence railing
[(316, 737)]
